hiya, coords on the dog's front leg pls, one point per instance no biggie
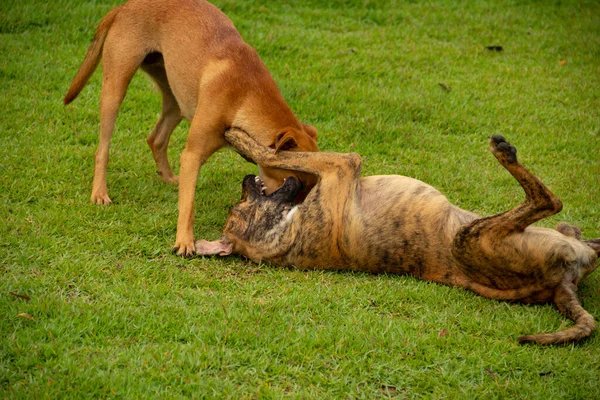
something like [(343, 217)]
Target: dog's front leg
[(204, 139), (315, 163)]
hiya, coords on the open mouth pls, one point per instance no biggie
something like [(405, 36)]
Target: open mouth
[(287, 191), (261, 185)]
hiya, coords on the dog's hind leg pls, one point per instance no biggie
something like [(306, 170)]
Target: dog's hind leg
[(475, 243), (539, 201), (565, 298), (120, 60), (158, 139), (502, 262)]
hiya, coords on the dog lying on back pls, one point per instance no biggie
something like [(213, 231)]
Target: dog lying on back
[(396, 224), (206, 74)]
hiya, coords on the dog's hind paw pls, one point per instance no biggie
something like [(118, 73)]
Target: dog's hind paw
[(504, 152), (173, 180), (168, 177), (569, 230)]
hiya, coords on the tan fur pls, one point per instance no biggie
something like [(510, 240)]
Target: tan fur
[(397, 224), (206, 73)]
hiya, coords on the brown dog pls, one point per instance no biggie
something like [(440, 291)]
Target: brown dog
[(396, 224), (206, 73)]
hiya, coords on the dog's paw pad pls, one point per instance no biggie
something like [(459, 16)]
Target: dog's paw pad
[(496, 139), (502, 149)]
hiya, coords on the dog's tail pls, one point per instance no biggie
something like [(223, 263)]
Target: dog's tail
[(594, 244), (92, 58), (566, 300)]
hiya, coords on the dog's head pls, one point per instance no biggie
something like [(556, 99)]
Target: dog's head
[(291, 139), (255, 224)]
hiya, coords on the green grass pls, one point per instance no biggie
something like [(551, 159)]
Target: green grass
[(115, 315)]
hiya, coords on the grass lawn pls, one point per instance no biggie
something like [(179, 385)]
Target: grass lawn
[(105, 310)]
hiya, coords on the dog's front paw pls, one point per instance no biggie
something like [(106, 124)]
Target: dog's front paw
[(186, 250), (101, 199), (504, 152)]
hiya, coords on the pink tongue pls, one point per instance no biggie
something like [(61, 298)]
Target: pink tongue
[(206, 248)]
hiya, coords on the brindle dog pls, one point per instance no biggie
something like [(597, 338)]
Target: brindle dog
[(396, 224)]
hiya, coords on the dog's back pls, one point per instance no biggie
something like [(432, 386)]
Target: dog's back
[(180, 33)]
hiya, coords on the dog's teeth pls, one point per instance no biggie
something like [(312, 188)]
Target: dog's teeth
[(256, 179)]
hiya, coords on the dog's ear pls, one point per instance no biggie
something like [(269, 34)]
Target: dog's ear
[(216, 247), (311, 131), (292, 139), (286, 140)]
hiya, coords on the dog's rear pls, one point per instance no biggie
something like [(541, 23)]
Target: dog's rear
[(579, 261), (565, 298)]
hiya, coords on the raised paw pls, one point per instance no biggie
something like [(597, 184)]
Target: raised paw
[(569, 230), (504, 152)]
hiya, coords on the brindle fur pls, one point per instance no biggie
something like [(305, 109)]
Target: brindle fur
[(397, 224)]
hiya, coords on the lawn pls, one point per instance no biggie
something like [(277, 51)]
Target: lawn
[(93, 303)]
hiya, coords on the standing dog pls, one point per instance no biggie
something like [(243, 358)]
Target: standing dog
[(396, 224), (207, 74)]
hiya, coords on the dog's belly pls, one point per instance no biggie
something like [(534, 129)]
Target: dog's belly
[(400, 225), (405, 226), (185, 72)]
